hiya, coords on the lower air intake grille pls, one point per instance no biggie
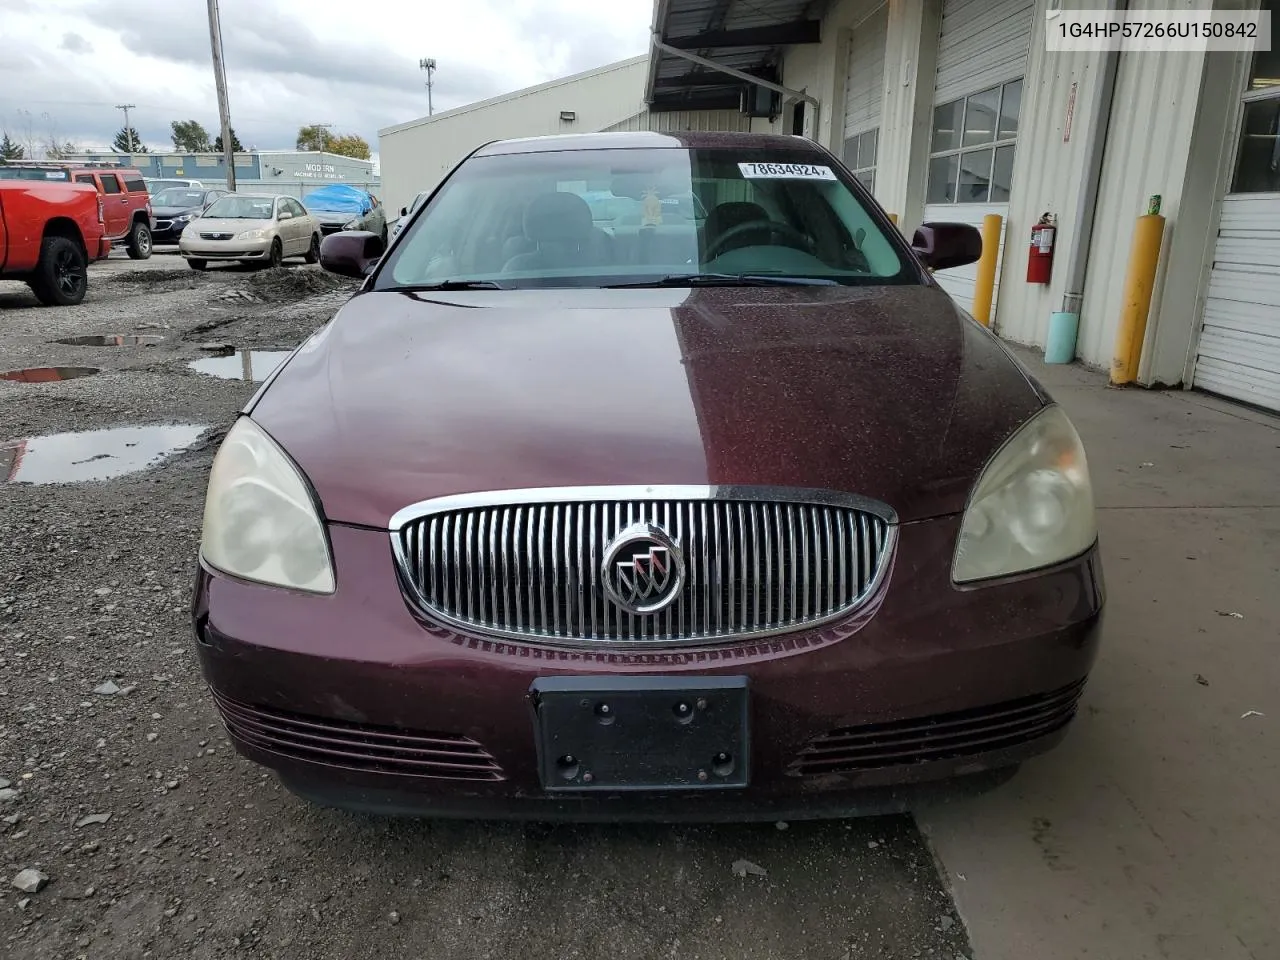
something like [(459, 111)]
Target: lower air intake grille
[(942, 737), (352, 746)]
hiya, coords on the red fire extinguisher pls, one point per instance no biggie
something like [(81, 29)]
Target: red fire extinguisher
[(1040, 256)]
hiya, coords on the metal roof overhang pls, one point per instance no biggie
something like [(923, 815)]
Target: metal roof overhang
[(745, 36)]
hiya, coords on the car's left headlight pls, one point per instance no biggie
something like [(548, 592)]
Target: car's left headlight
[(260, 522), (252, 235), (1031, 507)]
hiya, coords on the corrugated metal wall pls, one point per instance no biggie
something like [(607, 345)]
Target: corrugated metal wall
[(684, 120), (864, 74), (1153, 117)]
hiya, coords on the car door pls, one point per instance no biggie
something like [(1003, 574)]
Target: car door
[(295, 228), (115, 204), (305, 222)]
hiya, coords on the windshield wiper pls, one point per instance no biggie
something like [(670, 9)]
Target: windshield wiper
[(446, 285), (726, 280)]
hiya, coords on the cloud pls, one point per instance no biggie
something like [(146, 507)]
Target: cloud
[(290, 65), (75, 43)]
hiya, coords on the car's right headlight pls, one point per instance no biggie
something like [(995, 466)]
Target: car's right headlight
[(1031, 507), (260, 521)]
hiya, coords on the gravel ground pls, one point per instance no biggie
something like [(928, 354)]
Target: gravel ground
[(116, 783)]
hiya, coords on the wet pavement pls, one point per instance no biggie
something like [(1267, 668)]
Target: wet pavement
[(47, 374), (113, 340), (92, 454), (250, 366)]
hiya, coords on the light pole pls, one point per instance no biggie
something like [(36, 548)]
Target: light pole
[(428, 65), (220, 80), (128, 130)]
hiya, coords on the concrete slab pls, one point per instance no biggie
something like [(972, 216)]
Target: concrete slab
[(1154, 830)]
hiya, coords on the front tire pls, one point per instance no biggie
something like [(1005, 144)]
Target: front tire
[(196, 264), (139, 242), (277, 253), (61, 277), (313, 251)]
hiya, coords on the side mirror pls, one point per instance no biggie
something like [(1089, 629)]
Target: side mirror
[(944, 245), (351, 253)]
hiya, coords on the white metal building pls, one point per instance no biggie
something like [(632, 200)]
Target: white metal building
[(953, 109)]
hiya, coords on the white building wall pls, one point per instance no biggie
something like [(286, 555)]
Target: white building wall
[(417, 155)]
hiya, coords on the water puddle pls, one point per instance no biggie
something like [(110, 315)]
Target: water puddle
[(113, 340), (93, 454), (248, 365), (47, 374)]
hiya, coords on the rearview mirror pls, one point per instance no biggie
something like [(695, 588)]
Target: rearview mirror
[(944, 245), (351, 253)]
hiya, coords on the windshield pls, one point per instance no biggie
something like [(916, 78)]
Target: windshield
[(241, 208), (605, 217), (178, 197)]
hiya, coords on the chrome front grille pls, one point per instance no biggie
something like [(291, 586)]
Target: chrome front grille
[(529, 564), (216, 236)]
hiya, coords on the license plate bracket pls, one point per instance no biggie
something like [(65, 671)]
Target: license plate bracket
[(641, 733)]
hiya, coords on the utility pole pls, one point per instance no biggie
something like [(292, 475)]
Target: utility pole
[(324, 137), (128, 130), (220, 78), (428, 65)]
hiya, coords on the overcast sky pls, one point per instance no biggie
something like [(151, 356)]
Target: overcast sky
[(354, 65)]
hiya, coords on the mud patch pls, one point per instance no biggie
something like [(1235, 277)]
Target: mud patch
[(145, 277), (93, 454), (47, 374), (113, 340), (252, 366), (294, 283)]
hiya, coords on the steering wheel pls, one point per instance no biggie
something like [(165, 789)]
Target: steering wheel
[(783, 231)]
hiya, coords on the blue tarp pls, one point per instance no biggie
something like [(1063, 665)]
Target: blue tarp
[(338, 197)]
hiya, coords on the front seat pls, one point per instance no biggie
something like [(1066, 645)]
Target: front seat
[(560, 227), (726, 216)]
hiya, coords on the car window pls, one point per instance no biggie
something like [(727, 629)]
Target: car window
[(8, 172), (109, 183), (586, 218), (85, 178), (135, 185), (294, 207), (232, 207), (178, 197)]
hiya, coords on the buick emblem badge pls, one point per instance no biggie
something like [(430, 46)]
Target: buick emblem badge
[(643, 569)]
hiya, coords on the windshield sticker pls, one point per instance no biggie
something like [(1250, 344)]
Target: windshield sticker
[(785, 171)]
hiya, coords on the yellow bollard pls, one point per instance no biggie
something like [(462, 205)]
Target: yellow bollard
[(985, 287), (1139, 282)]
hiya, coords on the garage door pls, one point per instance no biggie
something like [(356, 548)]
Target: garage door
[(982, 56), (863, 93), (983, 43), (1239, 351)]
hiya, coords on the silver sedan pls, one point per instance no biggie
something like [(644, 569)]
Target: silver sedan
[(252, 228)]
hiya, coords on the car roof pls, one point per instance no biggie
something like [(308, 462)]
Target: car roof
[(651, 140)]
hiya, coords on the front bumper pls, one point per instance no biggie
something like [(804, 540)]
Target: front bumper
[(357, 702), (224, 249)]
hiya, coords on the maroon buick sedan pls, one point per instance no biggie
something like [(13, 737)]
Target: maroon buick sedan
[(648, 476)]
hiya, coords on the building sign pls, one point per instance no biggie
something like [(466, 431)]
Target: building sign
[(318, 171)]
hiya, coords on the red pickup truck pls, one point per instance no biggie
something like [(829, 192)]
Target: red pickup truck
[(48, 234)]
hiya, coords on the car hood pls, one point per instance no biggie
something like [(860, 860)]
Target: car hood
[(219, 225), (888, 392), (168, 213)]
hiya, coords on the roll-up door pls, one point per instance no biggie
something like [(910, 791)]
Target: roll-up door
[(863, 93), (983, 43), (1238, 355)]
